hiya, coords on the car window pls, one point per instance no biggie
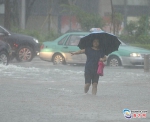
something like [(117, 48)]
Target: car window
[(61, 42), (73, 40)]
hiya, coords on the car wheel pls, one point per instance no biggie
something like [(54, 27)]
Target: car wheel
[(24, 54), (4, 58), (114, 61), (58, 59)]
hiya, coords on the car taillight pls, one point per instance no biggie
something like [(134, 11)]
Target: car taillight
[(16, 45), (42, 46)]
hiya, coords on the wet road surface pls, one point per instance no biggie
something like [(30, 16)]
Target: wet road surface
[(39, 91)]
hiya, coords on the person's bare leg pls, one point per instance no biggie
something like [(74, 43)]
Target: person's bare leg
[(86, 87), (94, 88)]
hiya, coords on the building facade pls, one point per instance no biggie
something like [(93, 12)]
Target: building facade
[(46, 15)]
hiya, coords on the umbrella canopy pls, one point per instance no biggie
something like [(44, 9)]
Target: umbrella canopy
[(107, 42)]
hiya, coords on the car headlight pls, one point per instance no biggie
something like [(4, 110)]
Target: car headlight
[(135, 55), (36, 40)]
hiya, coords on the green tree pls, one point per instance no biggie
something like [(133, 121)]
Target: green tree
[(143, 26), (12, 11), (86, 20), (131, 27), (117, 21)]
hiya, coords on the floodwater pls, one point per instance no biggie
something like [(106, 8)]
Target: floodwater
[(41, 92)]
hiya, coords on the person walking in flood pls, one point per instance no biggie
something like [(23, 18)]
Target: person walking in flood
[(94, 55)]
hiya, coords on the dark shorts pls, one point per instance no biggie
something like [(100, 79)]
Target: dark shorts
[(91, 77)]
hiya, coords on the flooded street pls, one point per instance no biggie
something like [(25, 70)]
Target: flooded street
[(39, 91)]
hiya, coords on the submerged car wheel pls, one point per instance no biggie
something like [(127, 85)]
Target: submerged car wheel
[(114, 61), (58, 59), (24, 54), (4, 59)]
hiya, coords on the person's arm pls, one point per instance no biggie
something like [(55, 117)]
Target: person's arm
[(103, 59), (78, 52)]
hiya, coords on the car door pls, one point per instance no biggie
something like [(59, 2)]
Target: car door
[(71, 46)]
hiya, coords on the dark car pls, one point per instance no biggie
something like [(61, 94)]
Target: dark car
[(24, 47), (5, 53)]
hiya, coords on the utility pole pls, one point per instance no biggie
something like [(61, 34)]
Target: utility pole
[(7, 15), (23, 14)]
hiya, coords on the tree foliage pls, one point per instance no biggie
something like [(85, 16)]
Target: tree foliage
[(143, 26), (13, 9), (86, 20), (138, 32), (131, 28), (117, 21)]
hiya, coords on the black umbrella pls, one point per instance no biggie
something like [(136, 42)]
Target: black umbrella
[(108, 42)]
